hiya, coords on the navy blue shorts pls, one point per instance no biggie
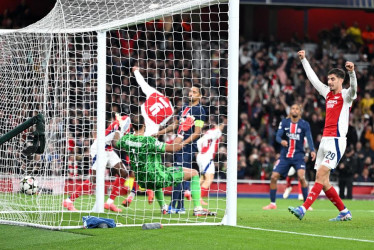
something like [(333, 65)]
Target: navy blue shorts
[(283, 165), (186, 156), (183, 159)]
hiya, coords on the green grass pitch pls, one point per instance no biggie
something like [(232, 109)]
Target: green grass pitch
[(258, 229)]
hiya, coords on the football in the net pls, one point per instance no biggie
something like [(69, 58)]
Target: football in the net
[(29, 185)]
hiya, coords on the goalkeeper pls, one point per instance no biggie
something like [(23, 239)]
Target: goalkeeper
[(145, 157)]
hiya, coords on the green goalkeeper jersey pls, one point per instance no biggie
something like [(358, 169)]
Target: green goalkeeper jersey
[(145, 158)]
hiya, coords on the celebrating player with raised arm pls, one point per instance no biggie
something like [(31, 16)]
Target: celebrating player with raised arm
[(291, 133), (156, 111), (334, 141), (121, 124), (145, 157)]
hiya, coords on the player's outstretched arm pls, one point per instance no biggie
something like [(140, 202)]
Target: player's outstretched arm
[(320, 87), (147, 90), (172, 127), (176, 146), (352, 91), (139, 78)]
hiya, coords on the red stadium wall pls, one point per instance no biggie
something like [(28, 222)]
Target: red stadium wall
[(261, 17), (291, 20)]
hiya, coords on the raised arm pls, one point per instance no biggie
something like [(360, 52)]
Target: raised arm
[(352, 90), (320, 87), (146, 88)]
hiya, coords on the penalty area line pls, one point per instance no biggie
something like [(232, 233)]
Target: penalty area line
[(305, 234)]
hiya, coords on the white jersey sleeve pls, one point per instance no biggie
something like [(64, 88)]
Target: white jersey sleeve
[(146, 88), (125, 126), (352, 90), (322, 89), (212, 134)]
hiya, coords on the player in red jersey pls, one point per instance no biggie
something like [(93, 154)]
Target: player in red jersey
[(207, 148), (112, 160), (156, 111), (333, 143)]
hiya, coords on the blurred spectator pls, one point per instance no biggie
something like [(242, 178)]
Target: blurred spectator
[(244, 55), (266, 167), (366, 103), (316, 126), (354, 32), (346, 169), (364, 177), (368, 39), (254, 168), (361, 154), (242, 167), (369, 135)]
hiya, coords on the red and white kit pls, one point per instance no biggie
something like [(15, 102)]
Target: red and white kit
[(334, 139), (111, 158), (156, 110), (208, 146)]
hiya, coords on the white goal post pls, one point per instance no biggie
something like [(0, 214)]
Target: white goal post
[(74, 66)]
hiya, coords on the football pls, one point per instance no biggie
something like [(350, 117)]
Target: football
[(29, 185)]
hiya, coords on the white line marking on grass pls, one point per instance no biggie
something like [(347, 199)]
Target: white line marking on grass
[(328, 210), (305, 234)]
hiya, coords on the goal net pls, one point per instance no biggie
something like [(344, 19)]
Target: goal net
[(75, 66)]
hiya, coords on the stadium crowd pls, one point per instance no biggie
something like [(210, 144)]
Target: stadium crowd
[(271, 78)]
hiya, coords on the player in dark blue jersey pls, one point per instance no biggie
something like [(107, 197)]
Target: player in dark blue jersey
[(185, 157), (291, 133)]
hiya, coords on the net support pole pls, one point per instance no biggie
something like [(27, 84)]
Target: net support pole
[(101, 106), (232, 126)]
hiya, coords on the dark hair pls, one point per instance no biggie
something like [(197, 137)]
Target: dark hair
[(338, 72), (201, 90), (137, 122)]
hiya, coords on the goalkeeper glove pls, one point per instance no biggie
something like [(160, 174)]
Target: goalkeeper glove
[(186, 125)]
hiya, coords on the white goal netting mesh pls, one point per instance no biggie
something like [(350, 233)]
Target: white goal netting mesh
[(51, 67)]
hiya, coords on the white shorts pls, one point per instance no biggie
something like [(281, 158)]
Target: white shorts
[(205, 163), (111, 159), (331, 150)]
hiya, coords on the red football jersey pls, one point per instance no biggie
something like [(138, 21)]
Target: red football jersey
[(158, 108)]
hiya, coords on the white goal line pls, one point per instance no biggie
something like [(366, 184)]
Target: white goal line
[(306, 234)]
